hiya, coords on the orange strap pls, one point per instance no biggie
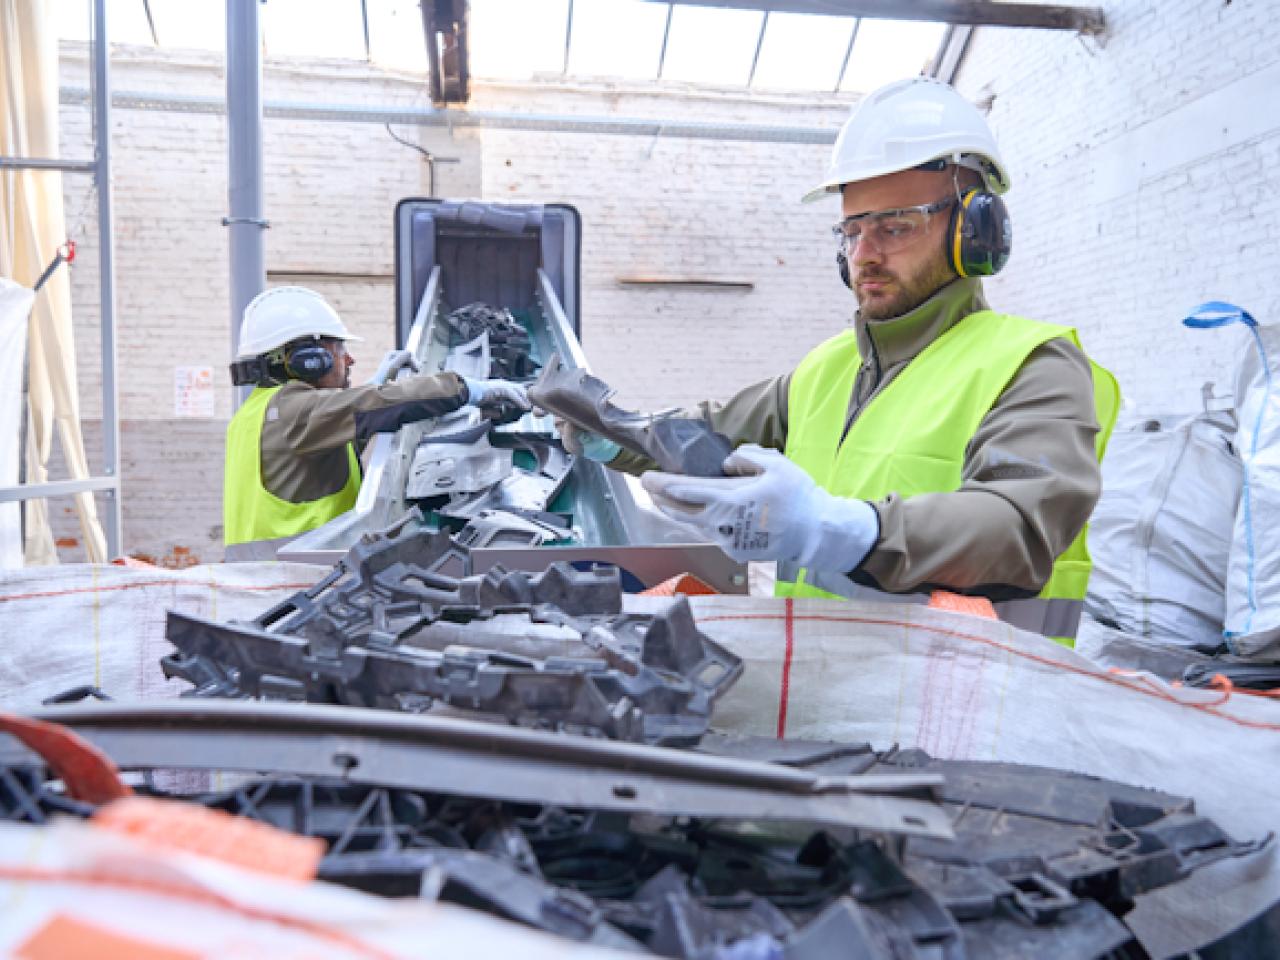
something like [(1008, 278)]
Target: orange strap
[(89, 774), (958, 603), (244, 843), (682, 583)]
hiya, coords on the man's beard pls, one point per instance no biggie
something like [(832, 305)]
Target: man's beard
[(912, 292)]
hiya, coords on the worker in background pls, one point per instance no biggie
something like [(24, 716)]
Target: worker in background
[(291, 462), (936, 443)]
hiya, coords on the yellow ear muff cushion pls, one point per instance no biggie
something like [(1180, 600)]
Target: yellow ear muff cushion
[(957, 239)]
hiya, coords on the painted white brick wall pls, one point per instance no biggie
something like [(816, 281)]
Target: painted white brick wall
[(1146, 173)]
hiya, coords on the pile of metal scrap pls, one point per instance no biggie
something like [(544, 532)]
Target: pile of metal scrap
[(492, 479), (393, 626), (676, 444), (826, 850), (488, 342)]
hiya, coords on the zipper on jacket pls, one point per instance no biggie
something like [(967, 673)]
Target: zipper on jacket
[(870, 367)]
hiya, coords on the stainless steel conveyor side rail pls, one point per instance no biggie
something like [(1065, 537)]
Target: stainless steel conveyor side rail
[(607, 485)]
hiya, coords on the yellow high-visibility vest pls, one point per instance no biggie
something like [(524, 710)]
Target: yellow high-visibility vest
[(911, 439), (250, 512)]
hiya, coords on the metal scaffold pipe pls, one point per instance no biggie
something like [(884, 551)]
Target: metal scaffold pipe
[(246, 219)]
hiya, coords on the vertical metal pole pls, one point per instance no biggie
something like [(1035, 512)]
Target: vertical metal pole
[(844, 64), (764, 25), (568, 36), (106, 273), (244, 141), (666, 35)]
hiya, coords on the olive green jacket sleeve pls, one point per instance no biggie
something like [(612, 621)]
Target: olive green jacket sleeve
[(306, 429), (1030, 480)]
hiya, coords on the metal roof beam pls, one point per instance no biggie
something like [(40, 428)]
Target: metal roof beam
[(977, 13)]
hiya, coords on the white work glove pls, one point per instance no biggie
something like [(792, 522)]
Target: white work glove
[(490, 393), (393, 363), (584, 443), (767, 508)]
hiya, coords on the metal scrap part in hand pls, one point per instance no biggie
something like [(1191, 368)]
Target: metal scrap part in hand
[(390, 628), (676, 444)]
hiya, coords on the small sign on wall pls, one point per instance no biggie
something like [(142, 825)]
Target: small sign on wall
[(193, 392)]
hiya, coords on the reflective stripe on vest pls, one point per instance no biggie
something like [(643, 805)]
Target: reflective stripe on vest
[(249, 511), (911, 438)]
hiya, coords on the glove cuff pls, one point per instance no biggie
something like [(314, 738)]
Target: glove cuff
[(841, 535), (475, 391)]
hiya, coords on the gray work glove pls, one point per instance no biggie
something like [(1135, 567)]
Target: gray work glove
[(492, 393), (584, 443), (768, 508), (392, 364)]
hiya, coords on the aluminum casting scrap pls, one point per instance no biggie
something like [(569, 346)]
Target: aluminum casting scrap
[(474, 759), (364, 636), (619, 693), (506, 351), (385, 586), (676, 444), (445, 469), (501, 528), (530, 490)]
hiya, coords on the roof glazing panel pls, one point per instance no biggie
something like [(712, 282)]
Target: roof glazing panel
[(888, 50), (802, 52), (617, 38), (520, 39), (711, 45), (516, 39)]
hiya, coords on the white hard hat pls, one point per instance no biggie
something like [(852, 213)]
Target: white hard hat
[(283, 314), (908, 123)]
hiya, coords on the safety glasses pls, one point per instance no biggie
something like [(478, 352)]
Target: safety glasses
[(888, 230)]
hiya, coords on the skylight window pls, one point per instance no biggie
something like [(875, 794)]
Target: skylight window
[(517, 39), (802, 52), (332, 29), (888, 50), (616, 38), (522, 39), (711, 45)]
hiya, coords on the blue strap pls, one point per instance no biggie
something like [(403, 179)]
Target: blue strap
[(1218, 313)]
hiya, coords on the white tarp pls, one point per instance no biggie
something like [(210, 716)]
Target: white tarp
[(1160, 537), (958, 687), (15, 307), (1253, 578), (75, 890)]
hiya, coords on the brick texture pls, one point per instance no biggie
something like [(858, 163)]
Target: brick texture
[(1145, 169)]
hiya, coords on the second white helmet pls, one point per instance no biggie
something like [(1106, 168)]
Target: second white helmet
[(909, 123), (284, 314)]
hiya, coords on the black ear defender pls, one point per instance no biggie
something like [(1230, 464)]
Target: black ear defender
[(980, 236), (307, 361), (842, 264)]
